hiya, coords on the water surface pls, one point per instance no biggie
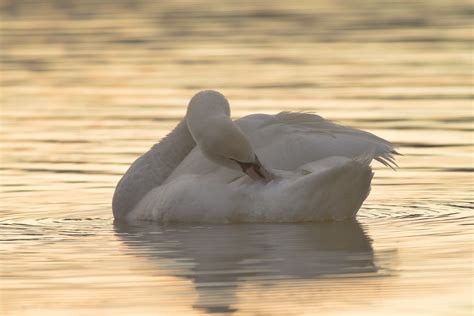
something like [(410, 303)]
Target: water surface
[(87, 86)]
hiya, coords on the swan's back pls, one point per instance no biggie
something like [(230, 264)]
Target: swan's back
[(289, 140)]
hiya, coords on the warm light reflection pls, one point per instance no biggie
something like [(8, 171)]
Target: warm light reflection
[(87, 86)]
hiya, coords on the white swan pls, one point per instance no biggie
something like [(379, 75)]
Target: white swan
[(287, 167)]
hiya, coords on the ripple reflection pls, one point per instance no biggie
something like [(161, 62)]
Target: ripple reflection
[(218, 259)]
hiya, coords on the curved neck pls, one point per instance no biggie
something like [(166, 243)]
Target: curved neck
[(152, 169), (171, 150)]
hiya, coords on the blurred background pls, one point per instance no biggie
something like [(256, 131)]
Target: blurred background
[(88, 85)]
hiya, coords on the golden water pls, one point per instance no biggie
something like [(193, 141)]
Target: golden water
[(87, 86)]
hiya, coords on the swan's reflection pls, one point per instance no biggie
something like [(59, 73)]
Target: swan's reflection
[(218, 258)]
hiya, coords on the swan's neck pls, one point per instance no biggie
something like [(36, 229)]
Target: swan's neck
[(152, 169), (171, 150)]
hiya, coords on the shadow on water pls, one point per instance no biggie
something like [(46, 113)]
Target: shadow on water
[(219, 258)]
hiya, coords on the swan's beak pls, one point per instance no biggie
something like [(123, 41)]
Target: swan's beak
[(259, 173), (256, 171)]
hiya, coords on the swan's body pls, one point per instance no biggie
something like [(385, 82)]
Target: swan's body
[(315, 169)]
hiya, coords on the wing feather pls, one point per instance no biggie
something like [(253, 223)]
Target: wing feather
[(292, 138)]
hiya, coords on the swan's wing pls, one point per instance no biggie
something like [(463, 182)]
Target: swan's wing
[(289, 140)]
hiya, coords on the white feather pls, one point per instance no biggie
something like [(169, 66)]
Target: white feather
[(321, 170)]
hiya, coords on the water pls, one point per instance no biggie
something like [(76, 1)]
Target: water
[(87, 86)]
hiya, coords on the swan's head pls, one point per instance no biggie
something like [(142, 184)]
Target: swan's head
[(219, 138)]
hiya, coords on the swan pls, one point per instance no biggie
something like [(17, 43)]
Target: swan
[(287, 167)]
